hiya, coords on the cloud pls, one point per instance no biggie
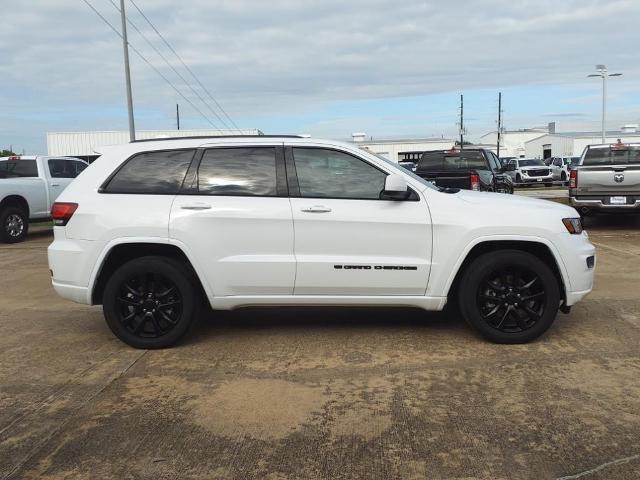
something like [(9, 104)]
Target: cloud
[(292, 57)]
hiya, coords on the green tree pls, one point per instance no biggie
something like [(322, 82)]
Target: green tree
[(6, 153)]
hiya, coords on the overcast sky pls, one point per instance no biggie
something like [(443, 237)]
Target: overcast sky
[(329, 68)]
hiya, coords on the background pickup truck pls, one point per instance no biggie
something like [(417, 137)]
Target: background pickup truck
[(606, 180), (469, 169), (28, 188)]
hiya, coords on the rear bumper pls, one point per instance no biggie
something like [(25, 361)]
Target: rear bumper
[(600, 205)]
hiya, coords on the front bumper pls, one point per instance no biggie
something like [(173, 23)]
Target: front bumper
[(575, 252), (524, 179)]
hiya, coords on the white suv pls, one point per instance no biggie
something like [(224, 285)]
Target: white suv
[(153, 227)]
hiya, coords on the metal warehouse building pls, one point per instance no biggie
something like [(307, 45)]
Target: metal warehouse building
[(84, 144), (400, 150), (572, 144)]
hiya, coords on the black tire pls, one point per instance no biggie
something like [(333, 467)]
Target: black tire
[(548, 184), (151, 302), (485, 287), (518, 178), (14, 225), (563, 178)]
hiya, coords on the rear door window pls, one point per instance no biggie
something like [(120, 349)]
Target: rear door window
[(160, 172), (238, 172), (65, 168), (18, 168)]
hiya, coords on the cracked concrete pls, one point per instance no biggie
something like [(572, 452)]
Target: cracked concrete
[(321, 393)]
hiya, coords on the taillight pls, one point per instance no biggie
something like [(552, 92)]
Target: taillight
[(475, 181), (61, 212), (573, 179)]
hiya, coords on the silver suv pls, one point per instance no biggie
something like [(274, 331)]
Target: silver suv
[(525, 171)]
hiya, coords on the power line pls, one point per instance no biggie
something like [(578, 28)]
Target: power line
[(151, 65), (172, 67), (184, 64)]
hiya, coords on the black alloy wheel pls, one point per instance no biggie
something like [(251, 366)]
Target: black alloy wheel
[(151, 302), (149, 305), (511, 300), (509, 296)]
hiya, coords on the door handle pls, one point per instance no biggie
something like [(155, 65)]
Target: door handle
[(316, 209), (196, 206), (55, 184)]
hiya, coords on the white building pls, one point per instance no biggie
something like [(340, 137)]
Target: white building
[(572, 144), (512, 142), (84, 144), (399, 150)]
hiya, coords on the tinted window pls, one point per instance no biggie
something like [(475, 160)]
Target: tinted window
[(152, 172), (452, 160), (612, 155), (61, 168), (330, 174), (238, 171), (18, 168)]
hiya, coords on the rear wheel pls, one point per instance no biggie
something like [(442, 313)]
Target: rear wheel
[(509, 296), (150, 302), (518, 178), (14, 223)]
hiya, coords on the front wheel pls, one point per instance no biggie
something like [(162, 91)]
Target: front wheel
[(509, 296), (14, 223), (150, 302)]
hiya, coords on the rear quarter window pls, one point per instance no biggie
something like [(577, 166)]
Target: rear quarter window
[(159, 173)]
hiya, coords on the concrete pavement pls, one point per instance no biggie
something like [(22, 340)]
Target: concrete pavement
[(321, 393)]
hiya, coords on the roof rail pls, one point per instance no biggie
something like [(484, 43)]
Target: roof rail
[(204, 137)]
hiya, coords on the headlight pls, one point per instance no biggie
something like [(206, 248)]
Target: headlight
[(573, 225)]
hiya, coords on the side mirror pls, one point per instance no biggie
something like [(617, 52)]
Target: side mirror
[(395, 188)]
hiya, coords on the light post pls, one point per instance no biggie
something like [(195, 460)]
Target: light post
[(127, 72), (603, 73)]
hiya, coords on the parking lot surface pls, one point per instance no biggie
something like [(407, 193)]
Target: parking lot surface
[(321, 393)]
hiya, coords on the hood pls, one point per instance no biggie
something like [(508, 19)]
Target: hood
[(500, 201)]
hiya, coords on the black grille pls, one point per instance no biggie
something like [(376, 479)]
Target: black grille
[(538, 173)]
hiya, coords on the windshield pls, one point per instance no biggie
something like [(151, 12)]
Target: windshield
[(534, 162), (405, 171), (612, 155)]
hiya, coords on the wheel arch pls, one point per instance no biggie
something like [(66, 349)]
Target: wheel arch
[(120, 253), (536, 247), (17, 201)]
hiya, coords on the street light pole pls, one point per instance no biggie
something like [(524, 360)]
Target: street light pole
[(127, 72), (603, 73)]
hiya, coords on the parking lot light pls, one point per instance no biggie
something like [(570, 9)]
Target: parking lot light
[(603, 73)]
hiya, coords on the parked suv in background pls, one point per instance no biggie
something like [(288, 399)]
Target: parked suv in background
[(28, 187), (525, 171), (560, 167), (153, 228), (469, 169), (607, 180)]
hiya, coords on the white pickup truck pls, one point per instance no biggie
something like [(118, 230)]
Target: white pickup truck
[(28, 187)]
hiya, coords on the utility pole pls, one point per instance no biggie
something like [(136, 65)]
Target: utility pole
[(499, 123), (178, 115), (127, 72), (461, 121)]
